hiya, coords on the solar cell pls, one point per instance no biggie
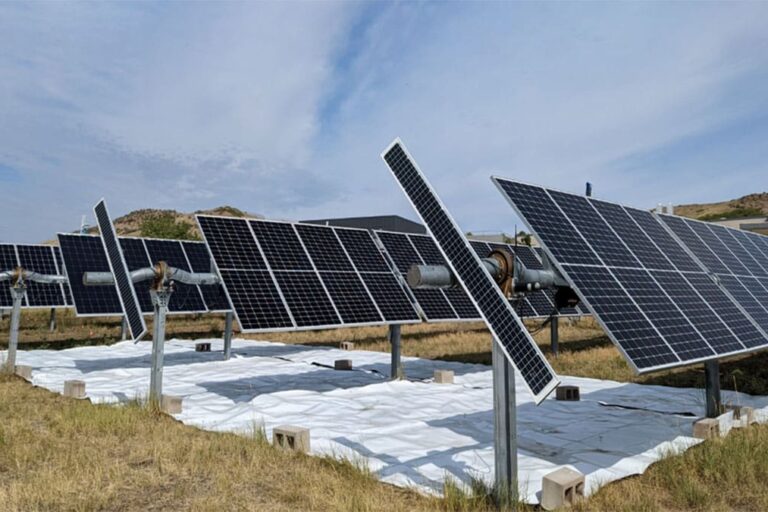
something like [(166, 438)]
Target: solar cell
[(119, 269), (136, 258), (506, 327), (213, 294), (324, 248), (352, 300), (40, 259), (640, 288), (8, 261)]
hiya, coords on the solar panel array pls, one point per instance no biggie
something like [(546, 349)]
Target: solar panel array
[(117, 265), (506, 326), (289, 276), (653, 299), (84, 253), (43, 259)]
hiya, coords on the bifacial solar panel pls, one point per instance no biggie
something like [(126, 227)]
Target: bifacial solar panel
[(61, 271), (496, 310), (731, 256), (84, 253), (635, 277), (292, 276), (125, 290), (35, 258)]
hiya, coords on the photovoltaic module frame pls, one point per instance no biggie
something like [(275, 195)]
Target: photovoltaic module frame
[(506, 327), (656, 303)]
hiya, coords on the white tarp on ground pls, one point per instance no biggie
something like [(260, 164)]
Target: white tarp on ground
[(412, 433)]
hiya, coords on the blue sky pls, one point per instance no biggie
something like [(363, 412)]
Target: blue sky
[(282, 109)]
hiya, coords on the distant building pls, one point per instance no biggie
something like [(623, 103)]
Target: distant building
[(500, 238), (385, 222), (756, 224)]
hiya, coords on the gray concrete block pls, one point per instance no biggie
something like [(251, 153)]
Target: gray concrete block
[(202, 347), (706, 428), (561, 488), (443, 376), (23, 371), (291, 438), (342, 364), (74, 388), (347, 345), (568, 393), (171, 404)]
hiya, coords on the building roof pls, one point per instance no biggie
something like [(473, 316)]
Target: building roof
[(386, 222)]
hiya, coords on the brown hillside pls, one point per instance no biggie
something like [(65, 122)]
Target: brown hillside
[(752, 205), (130, 224)]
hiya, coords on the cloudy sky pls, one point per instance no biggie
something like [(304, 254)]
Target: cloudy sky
[(283, 109)]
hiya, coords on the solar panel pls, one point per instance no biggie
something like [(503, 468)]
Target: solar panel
[(496, 310), (36, 258), (626, 267), (125, 291), (61, 271), (731, 256), (291, 276), (84, 253)]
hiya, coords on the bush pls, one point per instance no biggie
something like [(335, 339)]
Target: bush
[(164, 225)]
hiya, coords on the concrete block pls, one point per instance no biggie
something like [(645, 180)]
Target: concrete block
[(74, 388), (342, 364), (561, 488), (568, 393), (742, 416), (347, 345), (171, 404), (23, 371), (443, 376), (291, 438), (706, 428), (202, 347)]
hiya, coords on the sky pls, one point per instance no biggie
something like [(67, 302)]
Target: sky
[(282, 109)]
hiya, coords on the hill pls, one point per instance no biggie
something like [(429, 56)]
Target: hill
[(154, 223), (752, 205)]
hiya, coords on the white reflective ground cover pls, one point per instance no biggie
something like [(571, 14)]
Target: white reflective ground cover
[(411, 433)]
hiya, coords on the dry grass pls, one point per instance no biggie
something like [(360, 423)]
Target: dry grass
[(61, 454), (58, 454)]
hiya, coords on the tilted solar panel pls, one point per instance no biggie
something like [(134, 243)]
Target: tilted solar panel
[(291, 276), (626, 267), (35, 258), (504, 324), (125, 290)]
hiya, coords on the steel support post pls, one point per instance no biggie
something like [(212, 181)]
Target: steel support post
[(160, 299), (712, 385), (228, 334), (396, 366), (124, 328), (17, 294), (554, 335), (505, 429), (52, 321)]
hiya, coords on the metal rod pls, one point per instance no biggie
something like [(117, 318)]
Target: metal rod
[(228, 334), (52, 321), (712, 387), (505, 429), (554, 334), (160, 299), (148, 273), (17, 293), (396, 366)]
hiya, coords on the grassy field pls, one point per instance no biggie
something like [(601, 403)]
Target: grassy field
[(59, 454)]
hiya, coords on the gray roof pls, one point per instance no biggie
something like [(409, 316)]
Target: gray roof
[(386, 222)]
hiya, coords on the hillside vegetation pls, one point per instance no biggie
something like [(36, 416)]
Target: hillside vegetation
[(153, 223), (752, 205)]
